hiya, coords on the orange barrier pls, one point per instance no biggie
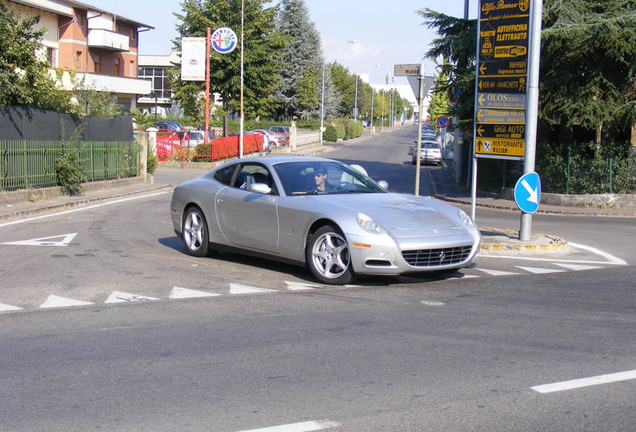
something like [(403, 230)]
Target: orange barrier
[(169, 146)]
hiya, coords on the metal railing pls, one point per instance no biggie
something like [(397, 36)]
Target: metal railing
[(31, 164)]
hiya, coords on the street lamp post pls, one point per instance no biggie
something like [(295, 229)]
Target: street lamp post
[(355, 102), (322, 103)]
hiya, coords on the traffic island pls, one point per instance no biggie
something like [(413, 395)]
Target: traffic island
[(497, 241)]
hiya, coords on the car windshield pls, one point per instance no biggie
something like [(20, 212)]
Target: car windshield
[(323, 178)]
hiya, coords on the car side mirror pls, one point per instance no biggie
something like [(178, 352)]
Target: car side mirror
[(260, 188)]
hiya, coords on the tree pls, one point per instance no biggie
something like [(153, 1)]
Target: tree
[(24, 79), (587, 64), (456, 44), (262, 46), (302, 59), (440, 101)]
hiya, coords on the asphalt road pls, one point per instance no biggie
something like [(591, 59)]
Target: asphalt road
[(160, 341)]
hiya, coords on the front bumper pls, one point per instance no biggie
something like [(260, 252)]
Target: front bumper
[(386, 256)]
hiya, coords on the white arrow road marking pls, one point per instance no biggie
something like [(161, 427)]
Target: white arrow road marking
[(45, 241), (6, 307), (496, 272), (533, 198), (122, 297), (585, 382), (307, 426), (182, 293), (300, 286), (54, 301), (578, 267), (246, 289), (540, 270)]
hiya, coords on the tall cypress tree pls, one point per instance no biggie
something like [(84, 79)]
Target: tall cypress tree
[(299, 90)]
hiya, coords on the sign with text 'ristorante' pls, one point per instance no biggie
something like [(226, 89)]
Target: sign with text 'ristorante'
[(502, 74)]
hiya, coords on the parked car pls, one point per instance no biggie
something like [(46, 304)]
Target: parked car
[(168, 126), (430, 152), (274, 139), (272, 207), (283, 130)]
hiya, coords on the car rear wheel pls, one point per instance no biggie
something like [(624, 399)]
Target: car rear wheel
[(194, 232), (328, 256)]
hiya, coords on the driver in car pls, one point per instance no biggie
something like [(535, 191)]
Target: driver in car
[(320, 178)]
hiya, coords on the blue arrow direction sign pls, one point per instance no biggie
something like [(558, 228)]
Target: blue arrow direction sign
[(528, 192)]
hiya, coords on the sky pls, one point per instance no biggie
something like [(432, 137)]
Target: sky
[(384, 33)]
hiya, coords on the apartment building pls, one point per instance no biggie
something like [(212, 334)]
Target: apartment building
[(89, 48)]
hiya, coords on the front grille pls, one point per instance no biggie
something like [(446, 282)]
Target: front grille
[(437, 257)]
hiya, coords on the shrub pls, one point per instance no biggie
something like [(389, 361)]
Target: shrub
[(68, 169), (331, 134), (151, 163), (340, 129)]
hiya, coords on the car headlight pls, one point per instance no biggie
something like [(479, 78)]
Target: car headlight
[(465, 219), (368, 224)]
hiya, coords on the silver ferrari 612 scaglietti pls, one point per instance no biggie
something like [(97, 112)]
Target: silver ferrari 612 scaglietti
[(323, 214)]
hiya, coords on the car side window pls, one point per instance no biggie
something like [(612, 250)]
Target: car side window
[(253, 173), (225, 175)]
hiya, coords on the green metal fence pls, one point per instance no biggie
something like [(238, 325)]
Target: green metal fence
[(31, 164)]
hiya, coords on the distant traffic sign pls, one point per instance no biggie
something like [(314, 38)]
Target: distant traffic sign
[(528, 192), (406, 69), (442, 122)]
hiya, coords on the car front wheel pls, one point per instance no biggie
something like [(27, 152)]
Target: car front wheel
[(328, 256), (194, 232)]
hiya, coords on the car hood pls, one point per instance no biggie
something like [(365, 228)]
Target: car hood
[(402, 216)]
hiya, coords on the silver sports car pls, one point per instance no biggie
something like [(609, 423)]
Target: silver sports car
[(323, 214)]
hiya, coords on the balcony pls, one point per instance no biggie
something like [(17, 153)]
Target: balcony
[(103, 83), (106, 39)]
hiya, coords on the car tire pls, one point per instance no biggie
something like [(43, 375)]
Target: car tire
[(194, 232), (328, 256), (414, 161)]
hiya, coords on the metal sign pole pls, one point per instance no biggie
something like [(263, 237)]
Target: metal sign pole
[(419, 132), (532, 106)]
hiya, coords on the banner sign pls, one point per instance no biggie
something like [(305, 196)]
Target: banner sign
[(193, 59)]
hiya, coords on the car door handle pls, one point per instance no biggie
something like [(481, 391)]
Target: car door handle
[(219, 201)]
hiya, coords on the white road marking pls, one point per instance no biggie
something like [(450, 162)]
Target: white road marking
[(609, 257), (236, 289), (300, 286), (65, 239), (75, 210), (183, 293), (577, 267), (537, 270), (307, 426), (122, 297), (496, 272), (585, 382), (54, 301), (6, 308)]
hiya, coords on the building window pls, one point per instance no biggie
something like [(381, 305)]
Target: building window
[(117, 67), (97, 59), (131, 70), (78, 60), (133, 34), (159, 80), (51, 56)]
